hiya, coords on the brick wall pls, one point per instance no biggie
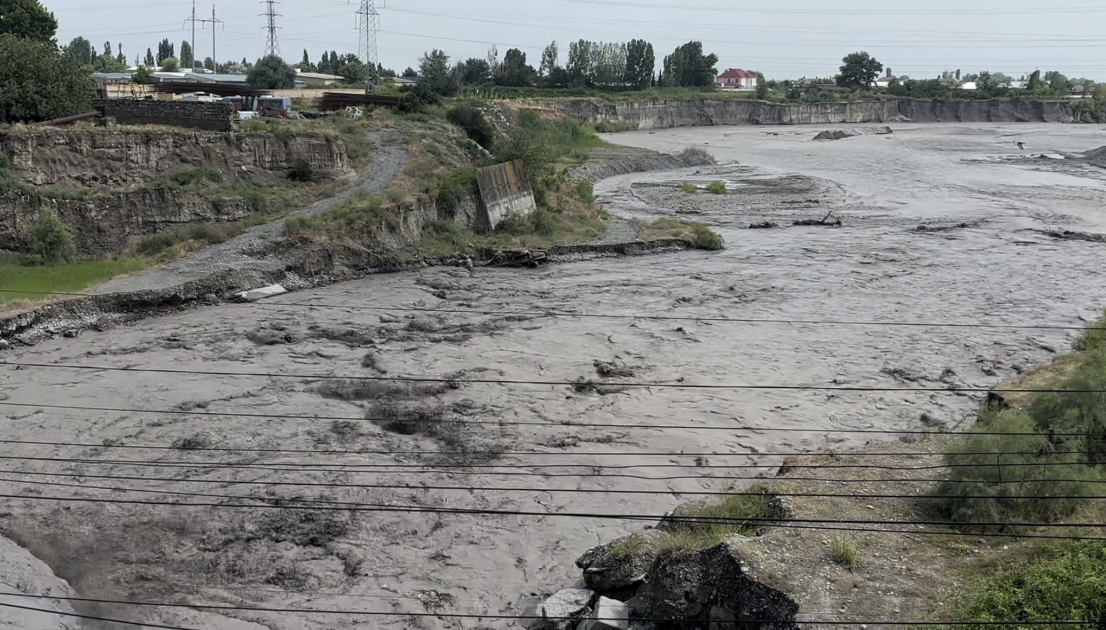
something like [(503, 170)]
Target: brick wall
[(210, 116)]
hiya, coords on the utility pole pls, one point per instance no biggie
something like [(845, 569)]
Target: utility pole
[(272, 46), (214, 25), (370, 32), (192, 42)]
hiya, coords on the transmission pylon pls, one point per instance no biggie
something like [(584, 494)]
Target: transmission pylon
[(370, 32), (272, 46)]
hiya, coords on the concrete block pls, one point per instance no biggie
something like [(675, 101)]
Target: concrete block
[(262, 293)]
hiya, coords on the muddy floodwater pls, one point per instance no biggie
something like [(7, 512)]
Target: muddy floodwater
[(940, 224)]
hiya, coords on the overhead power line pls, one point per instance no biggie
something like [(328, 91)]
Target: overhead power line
[(445, 615), (867, 11), (392, 486), (80, 616), (474, 381), (635, 316), (349, 506)]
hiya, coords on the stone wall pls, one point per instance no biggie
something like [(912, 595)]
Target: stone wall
[(671, 113), (210, 116)]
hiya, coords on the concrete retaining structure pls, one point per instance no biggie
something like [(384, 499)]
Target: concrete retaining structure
[(504, 190)]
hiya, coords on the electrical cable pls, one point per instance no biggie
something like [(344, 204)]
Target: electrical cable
[(804, 495), (476, 381)]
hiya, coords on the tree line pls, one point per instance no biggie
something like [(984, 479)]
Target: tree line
[(38, 80), (616, 66)]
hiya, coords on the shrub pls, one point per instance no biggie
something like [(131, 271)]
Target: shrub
[(612, 126), (845, 553), (1011, 471), (689, 188), (51, 240), (585, 191), (696, 153), (454, 189), (545, 222), (196, 176), (5, 162), (1062, 581), (718, 188), (418, 99), (471, 118), (155, 244), (732, 513), (706, 238), (302, 171)]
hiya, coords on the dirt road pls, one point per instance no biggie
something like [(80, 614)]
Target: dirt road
[(979, 260)]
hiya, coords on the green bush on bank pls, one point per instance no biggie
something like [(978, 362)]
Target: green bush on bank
[(1060, 454), (1064, 581)]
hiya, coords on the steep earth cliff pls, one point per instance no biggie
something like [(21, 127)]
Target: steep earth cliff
[(57, 157), (665, 113)]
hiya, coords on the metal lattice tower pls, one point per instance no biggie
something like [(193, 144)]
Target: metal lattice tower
[(370, 32), (272, 46)]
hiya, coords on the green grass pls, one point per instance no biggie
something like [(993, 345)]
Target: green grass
[(627, 548), (689, 188), (30, 282), (612, 126), (718, 188), (359, 216), (699, 235), (1064, 581), (845, 553), (736, 508)]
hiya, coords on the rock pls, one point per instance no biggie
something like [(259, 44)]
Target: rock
[(262, 293), (841, 134), (620, 564), (563, 610), (609, 615), (5, 344), (699, 585)]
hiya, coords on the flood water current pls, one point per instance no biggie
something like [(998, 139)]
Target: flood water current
[(940, 224)]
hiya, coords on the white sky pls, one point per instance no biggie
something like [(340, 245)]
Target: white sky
[(786, 38)]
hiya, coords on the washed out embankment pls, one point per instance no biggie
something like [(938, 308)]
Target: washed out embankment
[(706, 112), (298, 266)]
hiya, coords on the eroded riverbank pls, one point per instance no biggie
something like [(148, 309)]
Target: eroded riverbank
[(876, 267)]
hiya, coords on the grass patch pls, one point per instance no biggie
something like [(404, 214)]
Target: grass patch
[(718, 188), (697, 153), (1063, 581), (612, 126), (359, 215), (689, 188), (844, 552), (736, 510), (627, 548), (30, 282), (699, 235)]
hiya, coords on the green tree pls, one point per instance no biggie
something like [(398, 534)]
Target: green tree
[(514, 71), (170, 64), (165, 50), (640, 63), (142, 75), (107, 63), (27, 18), (1034, 83), (187, 60), (687, 66), (437, 74), (859, 71), (583, 58), (762, 86), (549, 60), (474, 71), (150, 60), (410, 73), (1060, 85), (352, 69), (209, 64), (37, 82), (271, 73), (986, 83), (306, 65), (80, 49)]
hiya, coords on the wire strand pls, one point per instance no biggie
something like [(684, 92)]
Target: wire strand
[(475, 381)]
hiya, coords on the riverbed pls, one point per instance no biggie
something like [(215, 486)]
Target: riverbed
[(939, 225)]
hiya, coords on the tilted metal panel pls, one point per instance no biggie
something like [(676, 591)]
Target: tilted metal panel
[(504, 190)]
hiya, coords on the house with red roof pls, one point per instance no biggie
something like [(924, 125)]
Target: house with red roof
[(736, 79)]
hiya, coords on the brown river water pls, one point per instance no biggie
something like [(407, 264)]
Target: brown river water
[(983, 258)]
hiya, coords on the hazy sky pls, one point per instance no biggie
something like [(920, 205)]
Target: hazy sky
[(785, 38)]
